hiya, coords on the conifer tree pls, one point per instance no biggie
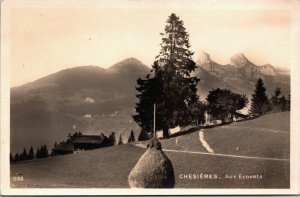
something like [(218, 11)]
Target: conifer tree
[(112, 139), (24, 154), (17, 157), (45, 151), (143, 136), (42, 152), (31, 153), (170, 85), (283, 103), (260, 103), (131, 137), (278, 102), (275, 100)]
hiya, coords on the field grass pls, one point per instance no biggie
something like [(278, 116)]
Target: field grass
[(110, 167), (267, 136), (105, 167)]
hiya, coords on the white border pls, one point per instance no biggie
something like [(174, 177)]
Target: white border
[(293, 6)]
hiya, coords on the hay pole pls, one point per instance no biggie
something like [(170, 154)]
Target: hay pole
[(154, 109)]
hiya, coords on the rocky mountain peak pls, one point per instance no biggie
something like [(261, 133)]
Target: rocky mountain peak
[(239, 60), (203, 58)]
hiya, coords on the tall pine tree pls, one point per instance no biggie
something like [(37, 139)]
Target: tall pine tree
[(260, 103), (170, 86)]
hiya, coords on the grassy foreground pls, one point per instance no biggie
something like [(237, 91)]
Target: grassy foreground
[(110, 167)]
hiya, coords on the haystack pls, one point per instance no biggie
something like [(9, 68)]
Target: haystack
[(153, 170)]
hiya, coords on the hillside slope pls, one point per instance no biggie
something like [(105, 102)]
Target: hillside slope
[(110, 167), (88, 98)]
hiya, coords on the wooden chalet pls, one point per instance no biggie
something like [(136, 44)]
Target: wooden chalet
[(77, 142), (87, 142)]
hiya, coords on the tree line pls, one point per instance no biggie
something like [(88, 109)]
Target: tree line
[(112, 141), (261, 103), (41, 152)]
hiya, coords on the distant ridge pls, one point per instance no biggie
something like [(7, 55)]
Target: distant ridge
[(241, 74), (49, 108)]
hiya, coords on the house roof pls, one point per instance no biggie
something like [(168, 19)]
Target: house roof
[(87, 139)]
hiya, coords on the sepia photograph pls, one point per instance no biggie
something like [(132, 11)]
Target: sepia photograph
[(179, 97)]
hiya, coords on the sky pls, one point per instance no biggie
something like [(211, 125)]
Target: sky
[(48, 36)]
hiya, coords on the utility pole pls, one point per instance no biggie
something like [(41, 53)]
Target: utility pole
[(154, 109)]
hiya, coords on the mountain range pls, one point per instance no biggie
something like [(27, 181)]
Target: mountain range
[(94, 100), (239, 76)]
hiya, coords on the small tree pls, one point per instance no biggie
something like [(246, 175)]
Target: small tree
[(275, 100), (24, 154), (42, 152), (45, 151), (143, 136), (31, 153), (120, 141), (17, 157), (283, 103), (260, 103), (131, 137), (112, 139), (278, 102)]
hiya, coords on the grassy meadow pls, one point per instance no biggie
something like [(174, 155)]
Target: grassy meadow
[(266, 136)]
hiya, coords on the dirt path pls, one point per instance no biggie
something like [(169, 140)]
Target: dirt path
[(204, 142)]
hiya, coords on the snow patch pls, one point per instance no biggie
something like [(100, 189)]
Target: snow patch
[(174, 130), (89, 100)]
